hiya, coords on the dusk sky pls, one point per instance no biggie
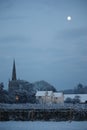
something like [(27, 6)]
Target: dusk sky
[(45, 45)]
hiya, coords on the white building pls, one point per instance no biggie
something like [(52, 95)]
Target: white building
[(49, 97), (58, 97)]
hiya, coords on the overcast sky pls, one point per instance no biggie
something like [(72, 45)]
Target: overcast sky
[(45, 45)]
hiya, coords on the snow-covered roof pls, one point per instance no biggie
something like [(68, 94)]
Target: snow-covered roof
[(57, 94), (40, 93), (49, 93), (83, 97), (44, 93)]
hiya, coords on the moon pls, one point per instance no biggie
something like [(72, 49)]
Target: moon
[(69, 18)]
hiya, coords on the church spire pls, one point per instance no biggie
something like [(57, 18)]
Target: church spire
[(14, 71)]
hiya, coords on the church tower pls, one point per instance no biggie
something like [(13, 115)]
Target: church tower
[(14, 71)]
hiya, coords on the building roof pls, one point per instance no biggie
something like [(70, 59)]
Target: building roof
[(40, 93), (49, 93), (58, 94), (44, 93)]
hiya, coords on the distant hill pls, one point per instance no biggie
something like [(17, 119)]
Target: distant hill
[(43, 86), (80, 89), (68, 91)]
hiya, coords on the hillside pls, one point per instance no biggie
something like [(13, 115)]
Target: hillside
[(43, 86)]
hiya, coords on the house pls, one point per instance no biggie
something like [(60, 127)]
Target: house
[(58, 97), (49, 97), (44, 96)]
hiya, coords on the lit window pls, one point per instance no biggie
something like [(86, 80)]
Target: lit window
[(17, 98)]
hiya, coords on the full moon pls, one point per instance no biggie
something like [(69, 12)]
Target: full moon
[(69, 18)]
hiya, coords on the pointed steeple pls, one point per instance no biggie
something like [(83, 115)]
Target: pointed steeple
[(14, 71)]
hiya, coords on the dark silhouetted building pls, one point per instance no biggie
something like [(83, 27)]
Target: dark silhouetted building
[(17, 84), (14, 71)]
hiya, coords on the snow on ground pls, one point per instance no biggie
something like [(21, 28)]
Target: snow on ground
[(82, 97), (37, 125)]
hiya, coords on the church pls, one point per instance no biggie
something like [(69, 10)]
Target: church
[(17, 84)]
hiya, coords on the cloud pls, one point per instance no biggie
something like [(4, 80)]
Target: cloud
[(13, 46), (75, 33), (4, 18), (13, 39), (37, 35)]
